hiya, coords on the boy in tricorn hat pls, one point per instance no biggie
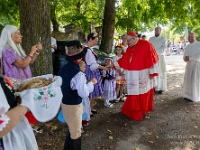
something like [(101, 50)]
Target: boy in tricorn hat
[(74, 88)]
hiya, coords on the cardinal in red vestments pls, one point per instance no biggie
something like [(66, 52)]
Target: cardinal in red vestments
[(140, 65)]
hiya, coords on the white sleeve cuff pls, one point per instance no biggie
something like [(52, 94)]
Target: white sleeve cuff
[(90, 86), (94, 66), (3, 121)]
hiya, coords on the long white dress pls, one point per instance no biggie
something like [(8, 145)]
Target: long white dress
[(160, 44), (191, 86)]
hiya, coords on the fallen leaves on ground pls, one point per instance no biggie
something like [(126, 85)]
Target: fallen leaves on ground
[(157, 137), (109, 131), (151, 142), (196, 127), (111, 137)]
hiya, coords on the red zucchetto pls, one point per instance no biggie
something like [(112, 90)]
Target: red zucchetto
[(132, 33)]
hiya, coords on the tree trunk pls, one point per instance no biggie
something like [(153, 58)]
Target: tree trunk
[(108, 27), (53, 18), (35, 23)]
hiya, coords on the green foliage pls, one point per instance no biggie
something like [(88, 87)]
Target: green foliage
[(9, 13), (79, 12), (138, 15)]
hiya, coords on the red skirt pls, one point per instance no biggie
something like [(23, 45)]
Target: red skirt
[(136, 106)]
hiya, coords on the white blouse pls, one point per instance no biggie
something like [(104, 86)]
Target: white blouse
[(78, 82), (115, 59), (53, 43), (16, 139), (91, 60)]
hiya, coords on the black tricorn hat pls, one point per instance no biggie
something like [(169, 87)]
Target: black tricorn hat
[(76, 45)]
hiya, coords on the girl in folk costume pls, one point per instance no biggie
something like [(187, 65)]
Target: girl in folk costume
[(92, 68), (120, 76), (109, 92), (15, 130), (86, 101), (74, 89), (124, 43)]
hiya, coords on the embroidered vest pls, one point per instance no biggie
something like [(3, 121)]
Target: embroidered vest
[(70, 97), (9, 92)]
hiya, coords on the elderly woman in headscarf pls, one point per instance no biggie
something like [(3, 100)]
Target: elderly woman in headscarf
[(15, 63)]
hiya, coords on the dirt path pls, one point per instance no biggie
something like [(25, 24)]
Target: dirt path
[(174, 124)]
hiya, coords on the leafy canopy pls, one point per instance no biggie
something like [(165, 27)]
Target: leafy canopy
[(138, 15)]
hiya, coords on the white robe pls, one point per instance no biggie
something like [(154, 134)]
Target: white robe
[(191, 86), (139, 81), (160, 44)]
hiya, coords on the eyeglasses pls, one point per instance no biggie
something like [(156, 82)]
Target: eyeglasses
[(129, 40)]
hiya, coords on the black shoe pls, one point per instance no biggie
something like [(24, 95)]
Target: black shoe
[(94, 111), (187, 99), (75, 144), (115, 101), (122, 99), (91, 115), (160, 92), (125, 94), (67, 142)]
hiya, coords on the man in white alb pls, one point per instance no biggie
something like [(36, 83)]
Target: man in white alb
[(160, 44), (191, 86)]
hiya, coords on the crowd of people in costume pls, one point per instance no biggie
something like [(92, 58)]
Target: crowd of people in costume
[(138, 68)]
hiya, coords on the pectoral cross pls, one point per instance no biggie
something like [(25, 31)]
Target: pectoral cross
[(131, 57)]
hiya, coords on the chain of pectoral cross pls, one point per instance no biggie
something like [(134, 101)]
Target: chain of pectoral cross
[(131, 54)]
